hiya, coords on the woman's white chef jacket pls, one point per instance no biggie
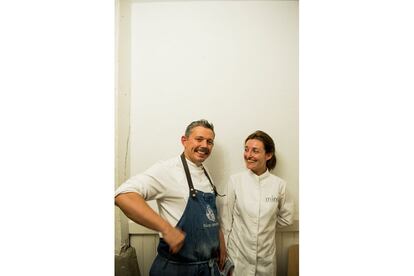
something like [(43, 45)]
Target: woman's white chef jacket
[(252, 208)]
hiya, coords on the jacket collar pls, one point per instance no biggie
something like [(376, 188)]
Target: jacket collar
[(259, 177)]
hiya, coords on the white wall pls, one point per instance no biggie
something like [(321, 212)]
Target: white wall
[(234, 63)]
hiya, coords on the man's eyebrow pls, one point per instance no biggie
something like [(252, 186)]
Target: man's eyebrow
[(200, 136)]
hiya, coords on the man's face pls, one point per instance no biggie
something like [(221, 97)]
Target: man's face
[(255, 156), (198, 145)]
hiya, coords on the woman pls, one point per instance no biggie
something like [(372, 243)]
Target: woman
[(254, 205)]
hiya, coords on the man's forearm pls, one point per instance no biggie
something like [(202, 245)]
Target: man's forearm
[(137, 209)]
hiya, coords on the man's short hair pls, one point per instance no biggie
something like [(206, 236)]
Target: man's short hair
[(202, 122)]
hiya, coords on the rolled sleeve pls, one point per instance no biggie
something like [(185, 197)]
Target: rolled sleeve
[(146, 184)]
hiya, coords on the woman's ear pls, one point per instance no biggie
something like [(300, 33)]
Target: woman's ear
[(268, 155)]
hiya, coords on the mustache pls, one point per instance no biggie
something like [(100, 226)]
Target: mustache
[(203, 150)]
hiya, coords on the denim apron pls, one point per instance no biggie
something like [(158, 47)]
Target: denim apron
[(201, 245)]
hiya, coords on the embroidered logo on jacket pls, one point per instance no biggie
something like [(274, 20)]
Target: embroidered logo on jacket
[(210, 214), (271, 198)]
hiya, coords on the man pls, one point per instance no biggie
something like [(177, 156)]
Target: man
[(186, 199)]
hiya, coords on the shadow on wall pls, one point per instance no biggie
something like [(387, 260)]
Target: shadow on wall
[(217, 164)]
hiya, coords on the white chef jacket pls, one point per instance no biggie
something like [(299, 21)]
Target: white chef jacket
[(252, 208), (167, 184)]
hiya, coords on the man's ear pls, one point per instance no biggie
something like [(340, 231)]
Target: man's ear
[(183, 139)]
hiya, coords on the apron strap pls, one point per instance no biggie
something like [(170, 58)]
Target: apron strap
[(211, 266), (190, 182), (187, 174), (214, 187), (210, 263)]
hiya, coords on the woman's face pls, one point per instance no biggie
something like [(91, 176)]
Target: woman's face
[(255, 156)]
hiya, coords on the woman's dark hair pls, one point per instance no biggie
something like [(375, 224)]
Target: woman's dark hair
[(269, 146)]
